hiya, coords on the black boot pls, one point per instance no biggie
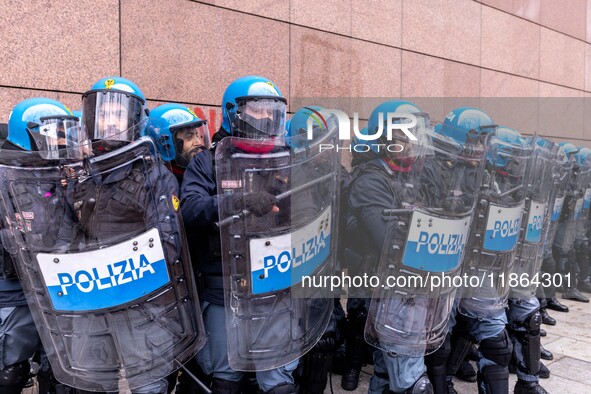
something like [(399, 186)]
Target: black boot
[(556, 305), (546, 318), (543, 372), (350, 379), (574, 294), (546, 354), (450, 386), (354, 348), (522, 387)]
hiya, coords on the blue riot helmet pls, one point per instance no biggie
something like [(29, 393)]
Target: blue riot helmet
[(507, 162), (77, 114), (467, 124), (45, 126), (569, 150), (178, 133), (253, 109), (114, 109), (386, 138), (508, 140), (308, 126), (470, 150), (583, 156)]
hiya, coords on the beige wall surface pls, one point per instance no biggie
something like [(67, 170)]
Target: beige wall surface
[(189, 51)]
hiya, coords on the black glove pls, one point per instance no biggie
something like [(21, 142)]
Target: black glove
[(258, 204), (454, 204)]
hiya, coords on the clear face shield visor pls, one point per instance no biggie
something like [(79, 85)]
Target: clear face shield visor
[(111, 115), (405, 140), (58, 137), (190, 139), (260, 117)]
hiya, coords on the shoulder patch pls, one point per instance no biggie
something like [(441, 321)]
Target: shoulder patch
[(175, 203)]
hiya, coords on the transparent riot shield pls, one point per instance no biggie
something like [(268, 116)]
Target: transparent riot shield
[(495, 229), (541, 189), (584, 176), (103, 261), (272, 260), (424, 247), (563, 169), (572, 210)]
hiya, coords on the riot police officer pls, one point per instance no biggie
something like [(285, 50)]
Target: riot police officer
[(523, 313), (583, 158), (563, 247), (547, 294), (45, 125), (108, 205), (199, 202), (481, 316), (179, 135), (397, 186), (312, 373)]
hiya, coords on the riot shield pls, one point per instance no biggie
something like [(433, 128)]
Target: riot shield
[(273, 314), (541, 189), (495, 229), (563, 170), (424, 246), (103, 261), (584, 176), (572, 210)]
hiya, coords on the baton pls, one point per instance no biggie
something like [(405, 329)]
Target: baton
[(201, 385), (510, 191), (233, 218)]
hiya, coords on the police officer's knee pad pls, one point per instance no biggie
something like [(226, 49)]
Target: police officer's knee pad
[(15, 374), (283, 388), (498, 349), (421, 386), (528, 334), (493, 379), (461, 342), (314, 367), (532, 323)]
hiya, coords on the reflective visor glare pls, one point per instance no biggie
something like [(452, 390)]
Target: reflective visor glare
[(111, 115), (267, 116), (59, 138)]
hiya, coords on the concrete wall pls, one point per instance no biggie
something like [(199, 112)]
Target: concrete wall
[(188, 51)]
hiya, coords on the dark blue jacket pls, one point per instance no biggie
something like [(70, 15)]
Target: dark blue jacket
[(199, 206)]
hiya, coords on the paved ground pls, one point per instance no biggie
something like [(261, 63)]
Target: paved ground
[(569, 340)]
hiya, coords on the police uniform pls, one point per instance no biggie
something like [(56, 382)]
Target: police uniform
[(199, 204), (372, 191), (111, 208), (19, 339)]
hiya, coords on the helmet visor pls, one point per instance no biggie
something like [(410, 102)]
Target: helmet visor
[(406, 142), (58, 137), (111, 115), (260, 117), (190, 140)]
